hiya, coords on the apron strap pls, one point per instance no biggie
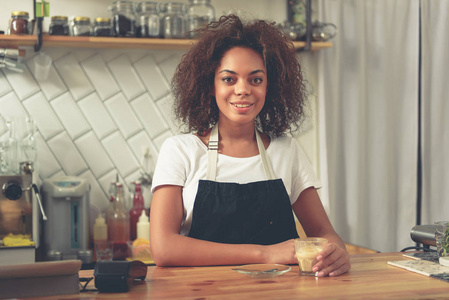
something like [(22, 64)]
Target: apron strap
[(265, 160), (212, 155)]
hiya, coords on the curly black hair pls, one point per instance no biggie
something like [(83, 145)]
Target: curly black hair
[(193, 81)]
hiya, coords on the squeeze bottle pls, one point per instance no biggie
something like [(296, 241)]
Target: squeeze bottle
[(143, 226), (100, 235)]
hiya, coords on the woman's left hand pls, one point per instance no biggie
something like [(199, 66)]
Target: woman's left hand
[(332, 261)]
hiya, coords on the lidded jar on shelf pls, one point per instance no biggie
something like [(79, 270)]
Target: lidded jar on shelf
[(81, 26), (18, 24), (199, 14), (174, 23), (59, 25), (123, 18), (149, 22), (103, 27)]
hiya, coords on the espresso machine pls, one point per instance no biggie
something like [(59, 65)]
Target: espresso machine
[(20, 211), (66, 232)]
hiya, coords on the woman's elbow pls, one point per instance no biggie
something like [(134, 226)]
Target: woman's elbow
[(161, 261), (161, 256)]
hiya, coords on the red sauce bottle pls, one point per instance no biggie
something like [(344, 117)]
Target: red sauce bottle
[(136, 211)]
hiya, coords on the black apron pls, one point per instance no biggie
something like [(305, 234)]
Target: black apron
[(252, 213)]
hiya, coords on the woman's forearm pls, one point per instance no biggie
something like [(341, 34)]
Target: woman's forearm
[(178, 250)]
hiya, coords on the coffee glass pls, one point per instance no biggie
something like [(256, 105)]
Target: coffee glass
[(103, 250), (306, 251)]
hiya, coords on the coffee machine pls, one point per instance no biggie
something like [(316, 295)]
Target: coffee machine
[(66, 232), (20, 211)]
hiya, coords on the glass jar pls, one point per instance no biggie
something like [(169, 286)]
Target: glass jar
[(81, 26), (148, 19), (162, 12), (59, 25), (174, 21), (123, 18), (18, 24), (103, 27), (199, 13)]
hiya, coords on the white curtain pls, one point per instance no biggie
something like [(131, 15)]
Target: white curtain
[(435, 108), (368, 107)]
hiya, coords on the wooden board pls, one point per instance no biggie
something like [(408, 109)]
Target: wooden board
[(116, 42)]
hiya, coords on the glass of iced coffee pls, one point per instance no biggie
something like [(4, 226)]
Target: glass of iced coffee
[(307, 249)]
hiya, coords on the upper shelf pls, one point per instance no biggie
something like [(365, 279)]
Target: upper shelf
[(16, 41)]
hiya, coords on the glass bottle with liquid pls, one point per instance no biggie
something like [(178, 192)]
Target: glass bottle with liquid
[(136, 211), (118, 226)]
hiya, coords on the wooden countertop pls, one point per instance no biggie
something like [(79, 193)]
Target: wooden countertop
[(370, 277)]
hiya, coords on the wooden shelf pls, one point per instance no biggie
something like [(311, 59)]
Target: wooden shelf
[(16, 41)]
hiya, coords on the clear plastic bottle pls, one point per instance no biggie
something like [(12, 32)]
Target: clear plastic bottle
[(199, 13), (123, 18), (81, 26), (149, 23), (174, 21), (136, 211)]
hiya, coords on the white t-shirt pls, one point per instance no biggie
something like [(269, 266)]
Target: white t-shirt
[(182, 161)]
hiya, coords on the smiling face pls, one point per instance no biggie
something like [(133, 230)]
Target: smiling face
[(240, 86)]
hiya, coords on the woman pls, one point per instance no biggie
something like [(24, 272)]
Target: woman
[(224, 195)]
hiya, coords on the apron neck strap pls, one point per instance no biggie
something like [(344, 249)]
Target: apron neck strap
[(212, 155)]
